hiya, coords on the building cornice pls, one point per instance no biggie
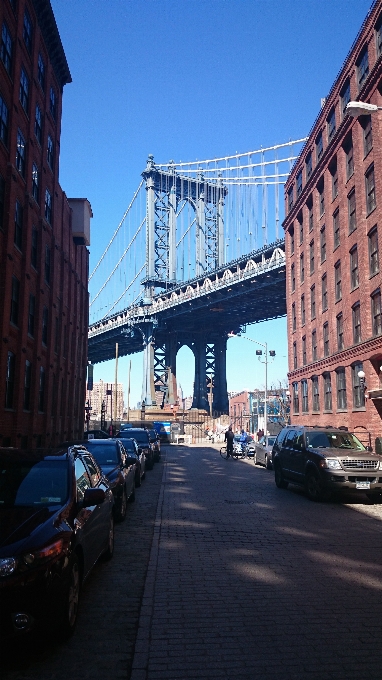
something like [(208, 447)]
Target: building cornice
[(49, 30), (343, 358)]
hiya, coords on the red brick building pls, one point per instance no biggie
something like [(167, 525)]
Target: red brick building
[(43, 238), (333, 232)]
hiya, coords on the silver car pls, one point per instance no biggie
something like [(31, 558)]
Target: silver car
[(263, 451)]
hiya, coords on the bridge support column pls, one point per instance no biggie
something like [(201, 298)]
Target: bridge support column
[(220, 395), (148, 388), (200, 399)]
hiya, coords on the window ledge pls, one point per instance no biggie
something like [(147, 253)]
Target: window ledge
[(327, 412), (359, 410), (372, 275), (342, 410), (371, 212)]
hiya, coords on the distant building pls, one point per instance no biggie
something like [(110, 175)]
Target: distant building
[(104, 393), (246, 409), (43, 239), (333, 249)]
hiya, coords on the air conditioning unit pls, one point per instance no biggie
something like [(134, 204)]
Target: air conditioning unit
[(81, 214)]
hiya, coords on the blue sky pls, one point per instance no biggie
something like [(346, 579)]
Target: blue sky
[(191, 79)]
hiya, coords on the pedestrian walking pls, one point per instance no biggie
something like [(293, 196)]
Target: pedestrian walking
[(229, 437)]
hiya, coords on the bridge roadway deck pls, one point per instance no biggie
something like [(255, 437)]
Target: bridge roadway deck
[(243, 581)]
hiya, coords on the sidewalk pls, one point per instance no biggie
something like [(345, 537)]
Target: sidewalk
[(247, 581)]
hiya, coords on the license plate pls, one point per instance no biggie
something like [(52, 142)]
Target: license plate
[(362, 485)]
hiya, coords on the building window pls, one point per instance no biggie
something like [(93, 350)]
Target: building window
[(290, 199), (41, 72), (18, 240), (314, 346), (24, 90), (302, 310), (296, 406), (362, 67), (321, 197), (299, 183), (352, 212), (50, 152), (48, 206), (302, 268), (323, 244), (56, 335), (304, 396), (345, 97), (356, 321), (20, 154), (27, 31), (293, 279), (3, 121), (337, 281), (373, 252), (319, 146), (53, 103), (31, 315), (47, 267), (311, 256), (45, 326), (308, 166), (370, 189), (378, 36), (38, 124), (354, 276), (301, 227), (367, 134), (315, 394), (341, 389), (327, 392), (15, 300), (34, 247), (2, 202), (331, 121), (336, 229), (348, 148), (324, 283), (313, 302), (41, 390), (334, 173), (10, 380), (376, 312), (358, 388), (325, 335), (309, 203), (294, 355), (340, 332), (293, 317), (304, 359), (35, 183), (27, 385), (6, 48)]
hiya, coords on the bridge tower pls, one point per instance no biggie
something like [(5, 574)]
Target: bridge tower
[(166, 190)]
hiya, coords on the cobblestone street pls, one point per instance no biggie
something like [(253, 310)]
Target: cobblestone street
[(243, 581)]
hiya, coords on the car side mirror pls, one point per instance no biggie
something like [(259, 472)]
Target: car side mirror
[(140, 449), (130, 461), (93, 497)]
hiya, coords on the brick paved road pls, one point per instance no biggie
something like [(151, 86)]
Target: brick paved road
[(103, 644), (248, 581), (243, 581)]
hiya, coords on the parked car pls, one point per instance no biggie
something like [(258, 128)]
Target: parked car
[(263, 451), (119, 468), (141, 436), (133, 450), (155, 443), (96, 434), (324, 460), (57, 519)]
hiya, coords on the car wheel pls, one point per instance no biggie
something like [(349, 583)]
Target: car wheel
[(138, 478), (69, 610), (268, 463), (132, 495), (123, 509), (108, 554), (255, 458), (281, 483), (313, 487)]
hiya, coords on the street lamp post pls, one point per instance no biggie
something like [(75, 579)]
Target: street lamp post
[(356, 109), (259, 353)]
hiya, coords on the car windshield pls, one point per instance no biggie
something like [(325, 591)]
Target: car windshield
[(30, 483), (330, 440), (141, 437), (105, 454), (129, 445)]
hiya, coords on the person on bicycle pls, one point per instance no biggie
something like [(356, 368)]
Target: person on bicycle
[(229, 437), (243, 440)]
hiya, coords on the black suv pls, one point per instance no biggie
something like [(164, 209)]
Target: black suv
[(142, 438), (324, 459)]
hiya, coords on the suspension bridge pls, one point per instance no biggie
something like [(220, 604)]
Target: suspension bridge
[(198, 254)]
